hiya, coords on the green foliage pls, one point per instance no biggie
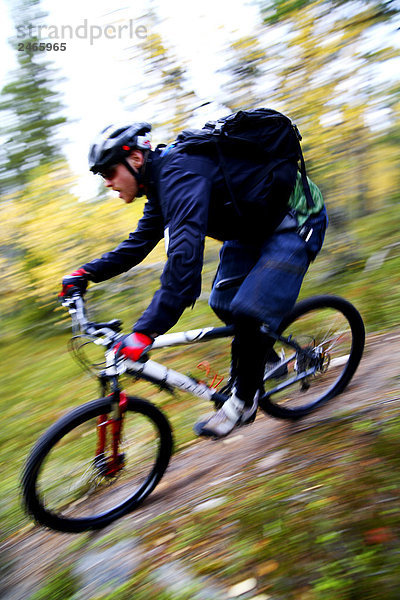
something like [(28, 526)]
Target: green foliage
[(61, 585), (372, 12), (316, 527), (321, 524), (47, 232)]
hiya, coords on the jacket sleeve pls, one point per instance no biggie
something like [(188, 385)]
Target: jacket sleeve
[(131, 251), (185, 199)]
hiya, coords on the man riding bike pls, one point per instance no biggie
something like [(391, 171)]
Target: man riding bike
[(262, 261)]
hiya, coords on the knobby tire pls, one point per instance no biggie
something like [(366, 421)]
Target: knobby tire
[(299, 403), (69, 515)]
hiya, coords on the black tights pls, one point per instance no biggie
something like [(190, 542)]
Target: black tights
[(251, 348)]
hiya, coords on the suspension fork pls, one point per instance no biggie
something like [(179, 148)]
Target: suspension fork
[(102, 421), (115, 461)]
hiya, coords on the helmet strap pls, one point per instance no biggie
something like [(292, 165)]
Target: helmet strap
[(136, 174), (140, 174)]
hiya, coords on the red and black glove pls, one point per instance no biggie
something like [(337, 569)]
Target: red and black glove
[(78, 280), (134, 346)]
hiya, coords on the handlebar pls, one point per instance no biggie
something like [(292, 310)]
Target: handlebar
[(80, 323)]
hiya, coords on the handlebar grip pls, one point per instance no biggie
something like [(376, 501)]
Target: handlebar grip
[(114, 324), (80, 311)]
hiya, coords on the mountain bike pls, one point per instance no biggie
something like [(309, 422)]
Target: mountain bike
[(102, 459)]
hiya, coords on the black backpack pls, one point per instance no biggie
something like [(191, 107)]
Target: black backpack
[(262, 137)]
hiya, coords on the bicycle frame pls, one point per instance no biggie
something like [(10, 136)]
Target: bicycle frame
[(166, 377), (161, 375)]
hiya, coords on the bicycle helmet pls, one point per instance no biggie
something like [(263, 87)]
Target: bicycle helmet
[(115, 143)]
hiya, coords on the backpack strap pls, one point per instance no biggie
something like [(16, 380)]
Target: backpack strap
[(306, 187), (217, 130)]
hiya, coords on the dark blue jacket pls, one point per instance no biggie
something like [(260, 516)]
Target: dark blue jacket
[(187, 200)]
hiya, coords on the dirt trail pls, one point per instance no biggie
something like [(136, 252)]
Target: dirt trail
[(198, 468)]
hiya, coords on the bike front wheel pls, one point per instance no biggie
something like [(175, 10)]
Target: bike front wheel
[(329, 334), (67, 486)]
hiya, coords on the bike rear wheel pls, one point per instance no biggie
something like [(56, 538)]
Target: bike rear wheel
[(65, 485), (331, 334)]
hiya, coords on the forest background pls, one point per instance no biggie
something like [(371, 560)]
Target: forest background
[(333, 66)]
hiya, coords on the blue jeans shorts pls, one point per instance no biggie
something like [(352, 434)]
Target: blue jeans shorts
[(266, 277)]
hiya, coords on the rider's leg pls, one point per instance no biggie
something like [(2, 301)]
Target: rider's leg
[(250, 348), (269, 290), (252, 354), (267, 294)]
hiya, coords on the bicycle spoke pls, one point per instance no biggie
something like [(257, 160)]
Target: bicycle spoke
[(325, 336), (71, 482)]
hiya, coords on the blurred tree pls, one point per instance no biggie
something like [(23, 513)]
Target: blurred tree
[(245, 68), (45, 234), (165, 84), (390, 142), (30, 104), (326, 61)]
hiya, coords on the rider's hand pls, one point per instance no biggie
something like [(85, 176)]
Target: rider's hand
[(78, 280), (134, 345)]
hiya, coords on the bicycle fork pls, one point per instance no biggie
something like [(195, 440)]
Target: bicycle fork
[(109, 433)]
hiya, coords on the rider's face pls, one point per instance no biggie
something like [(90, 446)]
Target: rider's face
[(118, 178)]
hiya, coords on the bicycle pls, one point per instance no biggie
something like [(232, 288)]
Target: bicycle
[(102, 459)]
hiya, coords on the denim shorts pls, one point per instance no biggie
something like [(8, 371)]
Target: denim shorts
[(267, 276)]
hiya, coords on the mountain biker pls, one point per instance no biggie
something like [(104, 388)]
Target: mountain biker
[(262, 262)]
